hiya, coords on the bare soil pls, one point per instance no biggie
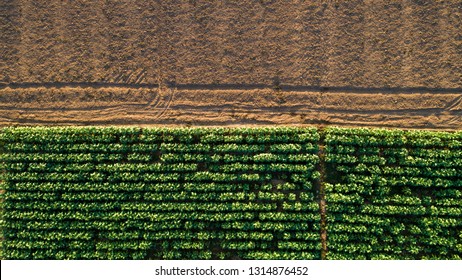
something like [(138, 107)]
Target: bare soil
[(172, 106), (290, 62)]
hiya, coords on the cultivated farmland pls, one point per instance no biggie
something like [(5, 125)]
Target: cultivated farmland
[(205, 129), (105, 193), (248, 193), (251, 62), (394, 194)]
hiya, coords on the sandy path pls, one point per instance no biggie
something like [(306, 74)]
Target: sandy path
[(88, 104)]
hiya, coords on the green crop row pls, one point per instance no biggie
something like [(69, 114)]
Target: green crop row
[(122, 193), (222, 193), (393, 194)]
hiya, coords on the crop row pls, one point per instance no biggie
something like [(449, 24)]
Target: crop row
[(160, 193), (394, 194), (251, 193)]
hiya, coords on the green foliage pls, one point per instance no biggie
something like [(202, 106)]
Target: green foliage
[(222, 193), (160, 193), (397, 194)]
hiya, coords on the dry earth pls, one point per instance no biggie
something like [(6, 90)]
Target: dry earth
[(355, 63)]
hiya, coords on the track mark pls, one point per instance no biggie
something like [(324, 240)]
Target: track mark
[(158, 101), (135, 76), (153, 103), (168, 104), (117, 78), (455, 104), (140, 76), (175, 104)]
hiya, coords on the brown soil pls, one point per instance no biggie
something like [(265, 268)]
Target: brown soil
[(172, 106), (322, 197), (262, 62)]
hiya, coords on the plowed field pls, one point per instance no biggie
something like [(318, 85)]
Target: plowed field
[(353, 63)]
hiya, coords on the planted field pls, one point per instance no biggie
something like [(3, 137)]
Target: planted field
[(130, 193), (231, 193), (214, 193), (394, 194)]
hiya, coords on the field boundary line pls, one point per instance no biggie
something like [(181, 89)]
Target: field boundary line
[(322, 191)]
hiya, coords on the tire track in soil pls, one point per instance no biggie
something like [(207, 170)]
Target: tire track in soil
[(456, 104), (240, 104), (123, 116), (157, 102), (112, 116)]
